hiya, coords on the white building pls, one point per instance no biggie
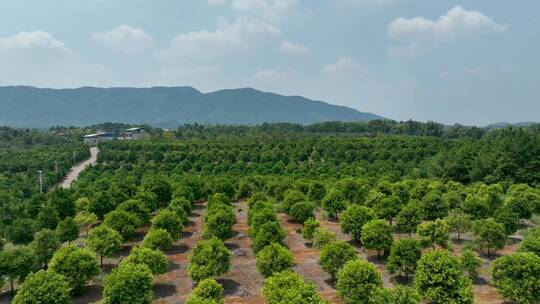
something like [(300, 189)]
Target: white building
[(134, 133), (92, 139)]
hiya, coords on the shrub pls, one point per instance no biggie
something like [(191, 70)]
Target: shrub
[(16, 263), (260, 218), (158, 239), (489, 234), (316, 191), (470, 262), (207, 291), (156, 260), (508, 218), (67, 230), (531, 242), (357, 281), (293, 197), (335, 255), (104, 241), (137, 208), (433, 233), (21, 231), (78, 265), (219, 198), (440, 279), (354, 218), (166, 219), (517, 277), (322, 237), (459, 222), (334, 202), (289, 287), (210, 258), (182, 202), (274, 258), (309, 228), (301, 211), (219, 224), (404, 255), (129, 283), (409, 218), (267, 234), (45, 244), (377, 234), (44, 286), (121, 221)]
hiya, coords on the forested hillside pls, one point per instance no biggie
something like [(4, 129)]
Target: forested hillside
[(162, 107), (279, 213)]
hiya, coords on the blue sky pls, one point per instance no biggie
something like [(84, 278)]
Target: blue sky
[(469, 62)]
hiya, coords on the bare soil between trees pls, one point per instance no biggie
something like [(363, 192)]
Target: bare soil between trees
[(243, 284)]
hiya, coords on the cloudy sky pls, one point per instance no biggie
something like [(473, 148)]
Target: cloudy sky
[(469, 62)]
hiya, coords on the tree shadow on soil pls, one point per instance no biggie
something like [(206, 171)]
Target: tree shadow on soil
[(178, 249), (172, 266), (108, 268), (232, 246), (478, 280), (162, 290), (329, 282), (138, 236), (492, 255), (187, 234), (354, 243), (5, 297), (92, 294), (124, 252), (230, 287), (372, 258)]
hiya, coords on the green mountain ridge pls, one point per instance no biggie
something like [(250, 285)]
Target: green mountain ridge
[(24, 106)]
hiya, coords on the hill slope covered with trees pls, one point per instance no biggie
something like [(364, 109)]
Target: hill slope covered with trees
[(162, 106)]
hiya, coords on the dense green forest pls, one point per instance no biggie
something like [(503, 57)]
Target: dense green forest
[(421, 201)]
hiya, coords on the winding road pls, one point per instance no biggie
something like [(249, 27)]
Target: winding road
[(78, 168)]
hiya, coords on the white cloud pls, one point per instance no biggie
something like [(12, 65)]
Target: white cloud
[(271, 75), (217, 2), (343, 64), (269, 9), (36, 47), (126, 39), (201, 46), (265, 5), (370, 2), (37, 58), (407, 51), (292, 48), (456, 23)]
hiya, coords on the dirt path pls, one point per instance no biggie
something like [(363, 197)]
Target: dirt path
[(78, 168), (307, 259), (243, 283), (175, 286)]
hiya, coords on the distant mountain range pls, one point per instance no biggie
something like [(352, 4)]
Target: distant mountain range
[(24, 106)]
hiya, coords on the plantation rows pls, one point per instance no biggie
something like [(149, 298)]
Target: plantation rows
[(287, 220)]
